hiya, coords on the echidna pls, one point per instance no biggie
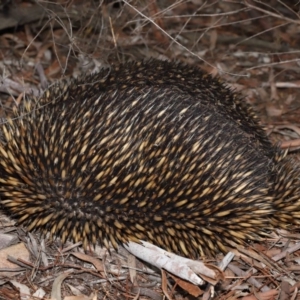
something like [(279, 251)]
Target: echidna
[(152, 151)]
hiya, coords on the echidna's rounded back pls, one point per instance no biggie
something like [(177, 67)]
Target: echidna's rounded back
[(118, 160), (182, 78)]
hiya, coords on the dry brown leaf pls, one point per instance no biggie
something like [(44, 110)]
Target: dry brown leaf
[(269, 295), (131, 261), (18, 251), (93, 260), (56, 287), (187, 286)]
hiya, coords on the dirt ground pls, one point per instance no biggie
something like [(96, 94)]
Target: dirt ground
[(252, 45)]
